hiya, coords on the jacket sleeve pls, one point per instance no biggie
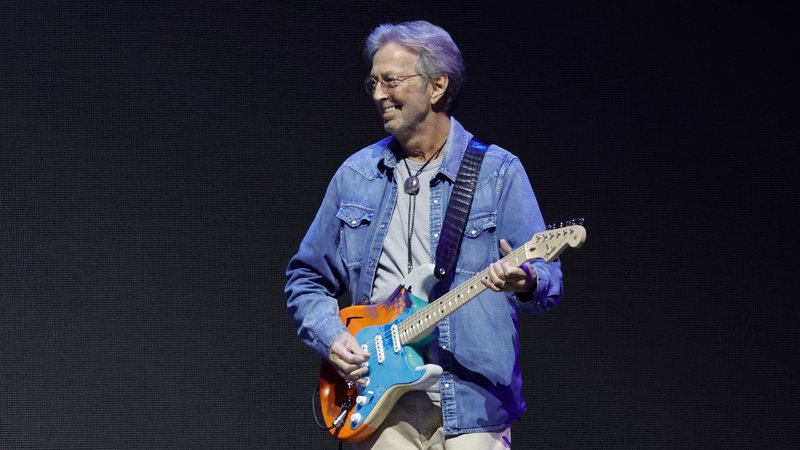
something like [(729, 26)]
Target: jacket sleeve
[(518, 219), (316, 276)]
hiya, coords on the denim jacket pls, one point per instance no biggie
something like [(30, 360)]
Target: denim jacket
[(481, 388)]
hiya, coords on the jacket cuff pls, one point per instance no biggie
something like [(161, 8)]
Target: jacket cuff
[(325, 333), (525, 297), (539, 300), (542, 297)]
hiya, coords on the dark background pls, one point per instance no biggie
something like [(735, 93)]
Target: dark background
[(160, 162)]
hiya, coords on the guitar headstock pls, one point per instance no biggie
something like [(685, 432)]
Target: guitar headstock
[(552, 242)]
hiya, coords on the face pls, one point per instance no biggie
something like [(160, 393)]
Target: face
[(404, 108)]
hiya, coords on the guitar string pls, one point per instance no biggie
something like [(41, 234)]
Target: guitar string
[(387, 333), (455, 293), (459, 291)]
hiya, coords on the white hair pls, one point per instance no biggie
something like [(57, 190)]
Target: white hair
[(438, 54)]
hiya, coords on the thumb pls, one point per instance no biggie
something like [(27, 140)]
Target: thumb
[(504, 247)]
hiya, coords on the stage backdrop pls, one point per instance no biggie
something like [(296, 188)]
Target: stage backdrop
[(161, 161)]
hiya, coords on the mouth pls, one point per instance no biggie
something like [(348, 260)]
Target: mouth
[(391, 108)]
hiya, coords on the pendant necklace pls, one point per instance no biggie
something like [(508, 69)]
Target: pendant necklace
[(411, 187)]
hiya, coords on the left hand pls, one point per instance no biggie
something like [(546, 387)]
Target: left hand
[(505, 277)]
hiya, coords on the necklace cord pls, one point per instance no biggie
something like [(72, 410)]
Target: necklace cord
[(411, 187)]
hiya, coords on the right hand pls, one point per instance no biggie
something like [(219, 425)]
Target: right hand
[(347, 357)]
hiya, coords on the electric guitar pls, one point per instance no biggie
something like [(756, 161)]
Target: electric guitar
[(395, 332)]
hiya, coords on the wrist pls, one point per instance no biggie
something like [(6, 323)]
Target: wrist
[(531, 277), (531, 281)]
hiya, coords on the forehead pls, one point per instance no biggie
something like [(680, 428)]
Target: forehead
[(394, 59)]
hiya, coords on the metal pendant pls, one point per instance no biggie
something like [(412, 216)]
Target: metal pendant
[(411, 186)]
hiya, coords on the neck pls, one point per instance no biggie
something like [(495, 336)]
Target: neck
[(427, 140)]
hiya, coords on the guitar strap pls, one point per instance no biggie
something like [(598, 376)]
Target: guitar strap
[(458, 209)]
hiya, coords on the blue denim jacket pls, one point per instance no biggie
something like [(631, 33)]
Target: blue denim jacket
[(481, 388)]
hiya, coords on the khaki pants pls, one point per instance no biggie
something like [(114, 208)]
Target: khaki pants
[(415, 423)]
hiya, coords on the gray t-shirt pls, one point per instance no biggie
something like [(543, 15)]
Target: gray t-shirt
[(393, 263)]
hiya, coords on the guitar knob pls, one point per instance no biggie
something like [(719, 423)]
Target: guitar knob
[(355, 419), (361, 400)]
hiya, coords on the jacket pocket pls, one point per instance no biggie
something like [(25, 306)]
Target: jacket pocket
[(354, 232), (479, 246)]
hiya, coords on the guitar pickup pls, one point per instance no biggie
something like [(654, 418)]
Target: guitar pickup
[(395, 338), (379, 349)]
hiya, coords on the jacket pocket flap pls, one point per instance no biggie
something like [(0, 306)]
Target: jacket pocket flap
[(479, 223), (355, 215)]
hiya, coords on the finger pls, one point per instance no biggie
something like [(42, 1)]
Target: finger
[(344, 369), (486, 281), (357, 353), (349, 357), (494, 282), (516, 278), (343, 366), (356, 373), (505, 247), (347, 348), (361, 351), (349, 369), (513, 274), (500, 275), (488, 284)]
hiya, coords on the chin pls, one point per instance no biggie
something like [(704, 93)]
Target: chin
[(389, 128)]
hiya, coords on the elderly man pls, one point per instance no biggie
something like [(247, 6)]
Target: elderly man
[(382, 217)]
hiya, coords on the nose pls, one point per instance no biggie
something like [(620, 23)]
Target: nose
[(378, 93)]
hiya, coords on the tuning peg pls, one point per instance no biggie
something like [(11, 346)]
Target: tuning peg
[(568, 223)]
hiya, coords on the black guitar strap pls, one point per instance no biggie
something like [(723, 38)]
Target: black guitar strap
[(458, 209)]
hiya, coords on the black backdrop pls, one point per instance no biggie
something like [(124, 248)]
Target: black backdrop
[(160, 162)]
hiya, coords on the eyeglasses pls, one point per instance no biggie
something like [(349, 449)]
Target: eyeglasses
[(388, 83)]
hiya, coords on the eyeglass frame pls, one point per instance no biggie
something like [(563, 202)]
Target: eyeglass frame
[(371, 83)]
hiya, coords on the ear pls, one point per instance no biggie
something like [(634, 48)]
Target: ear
[(439, 87)]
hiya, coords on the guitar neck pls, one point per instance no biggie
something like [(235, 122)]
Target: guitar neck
[(422, 323), (546, 245)]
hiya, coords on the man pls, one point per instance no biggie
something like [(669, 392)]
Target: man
[(381, 217)]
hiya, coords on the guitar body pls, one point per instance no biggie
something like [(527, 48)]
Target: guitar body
[(355, 411)]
